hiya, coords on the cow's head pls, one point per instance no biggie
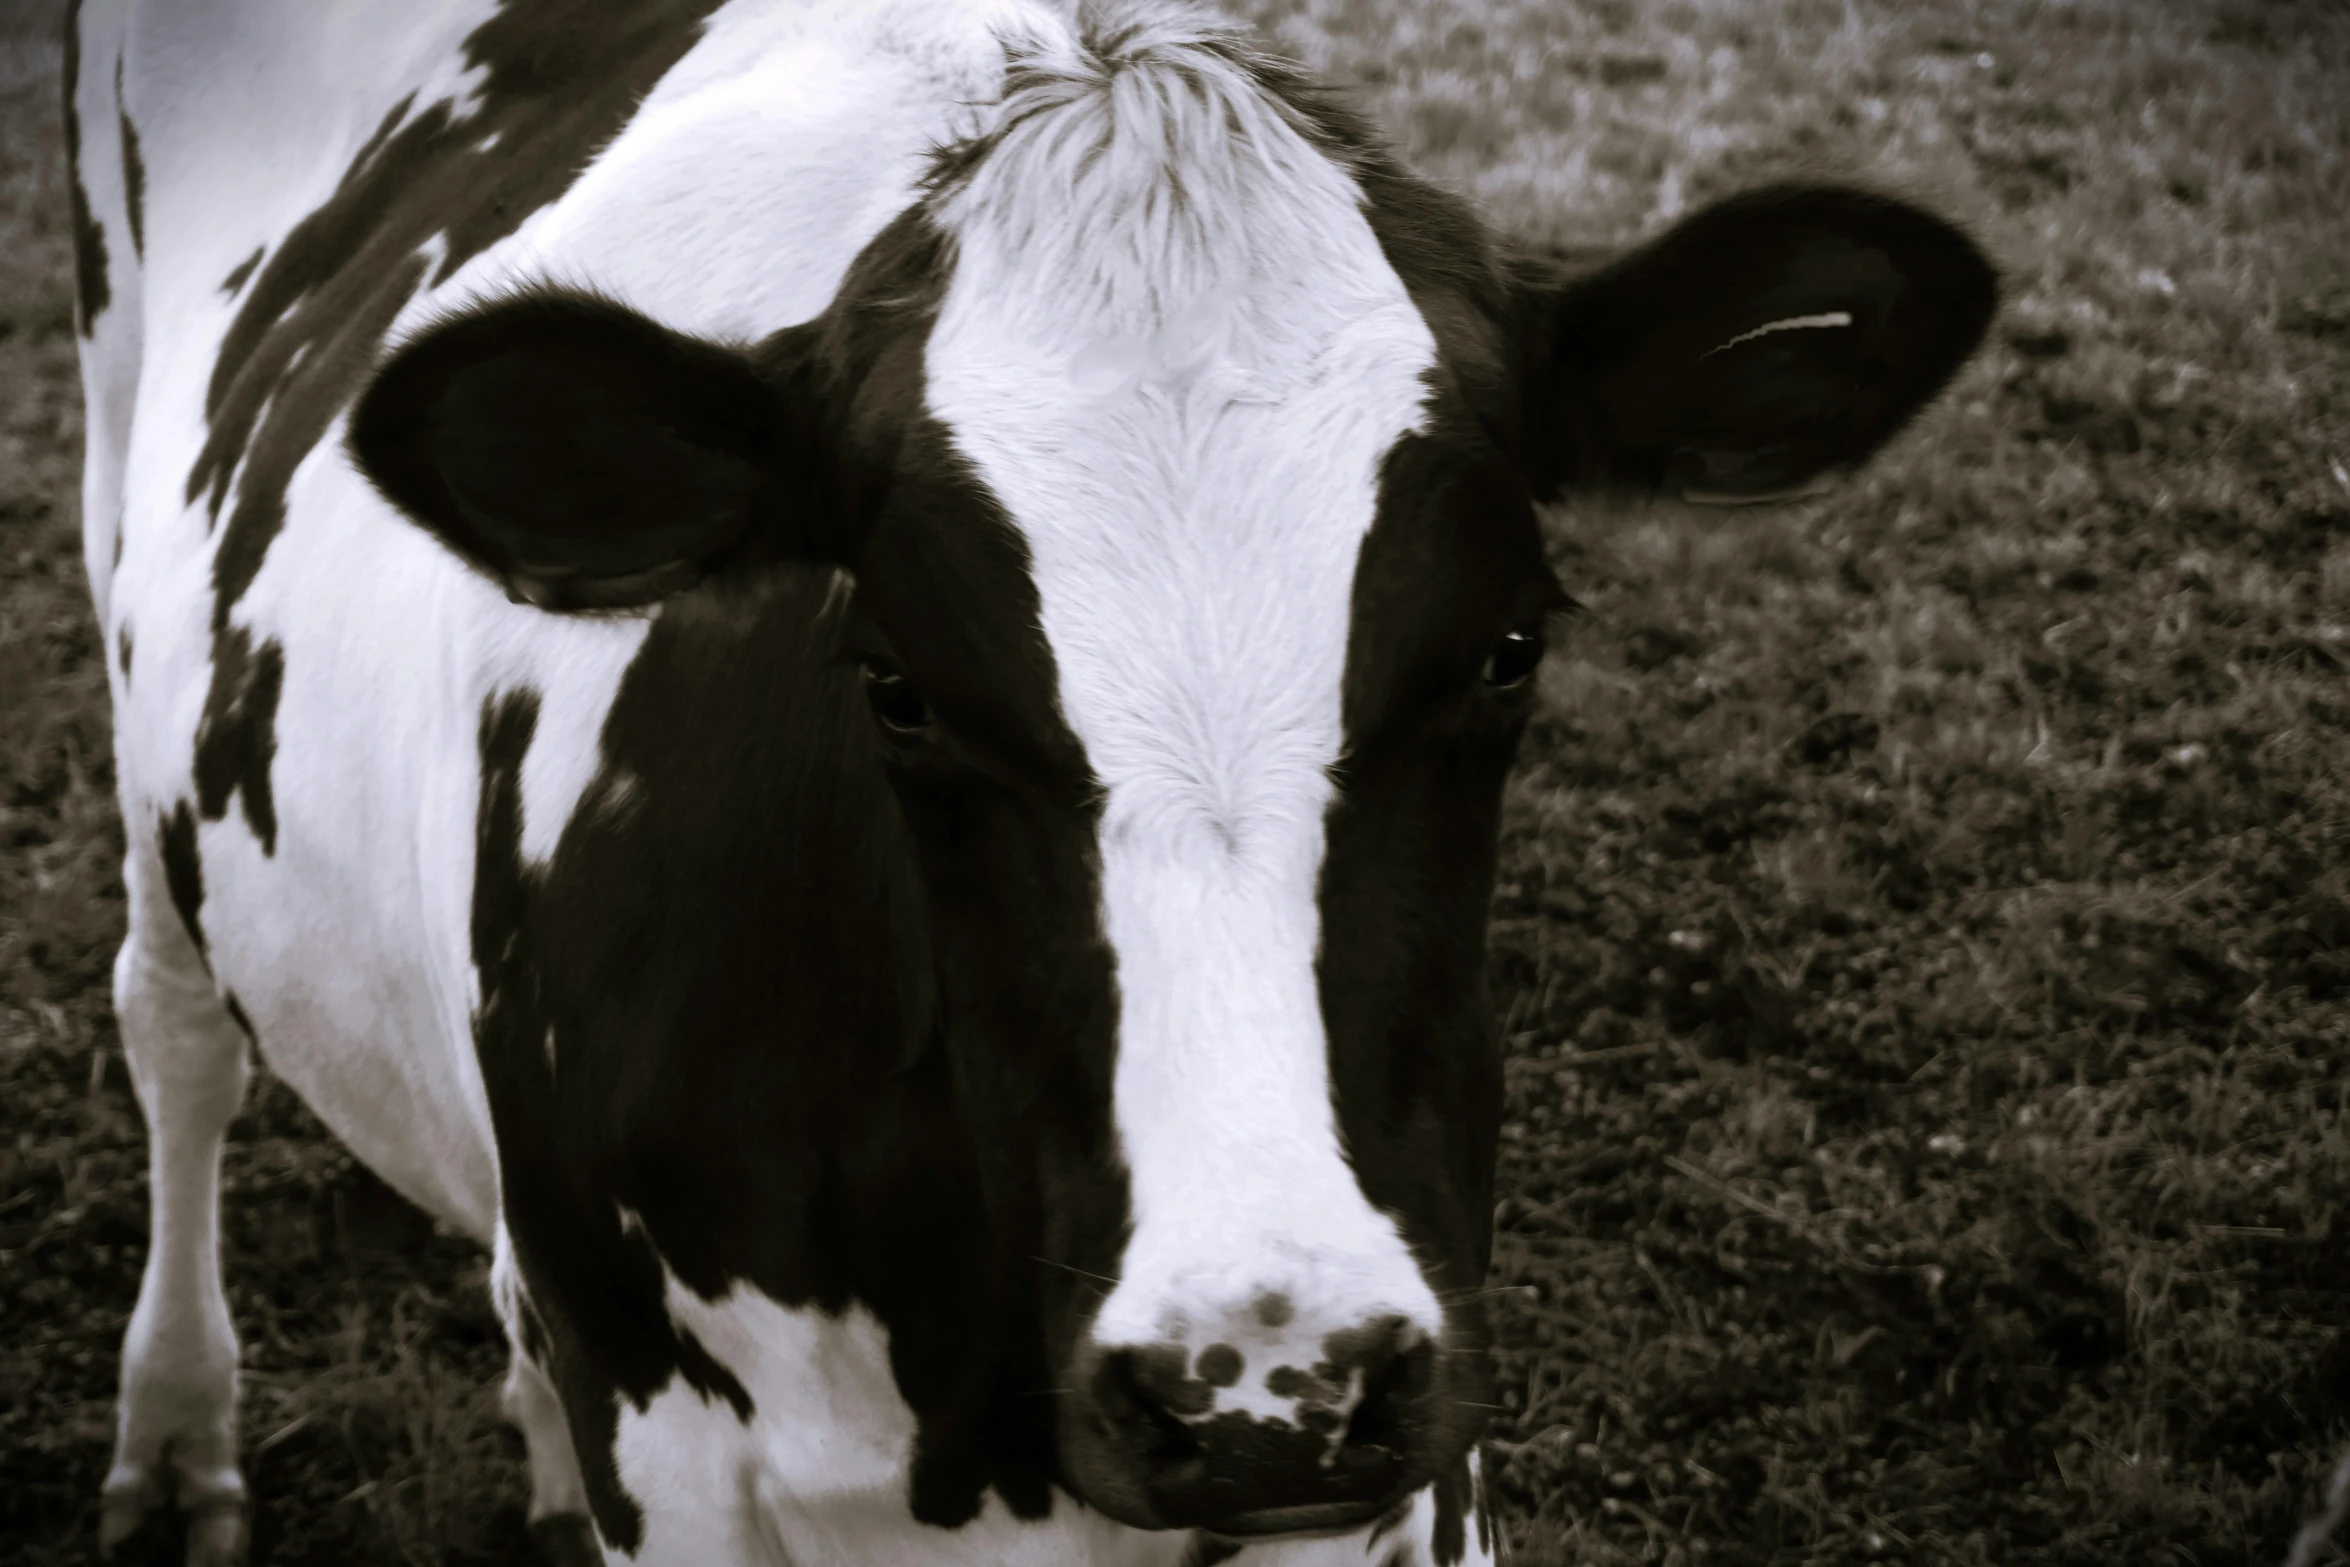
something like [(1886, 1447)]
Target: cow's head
[(1184, 452)]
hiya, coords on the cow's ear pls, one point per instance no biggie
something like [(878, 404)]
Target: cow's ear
[(1755, 350), (585, 456)]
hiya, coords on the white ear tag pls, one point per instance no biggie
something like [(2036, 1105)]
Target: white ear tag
[(1824, 320)]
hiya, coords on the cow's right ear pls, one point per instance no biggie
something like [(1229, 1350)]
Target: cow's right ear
[(585, 456), (1755, 350)]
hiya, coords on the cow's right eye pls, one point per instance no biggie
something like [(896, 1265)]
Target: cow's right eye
[(1513, 659), (897, 706)]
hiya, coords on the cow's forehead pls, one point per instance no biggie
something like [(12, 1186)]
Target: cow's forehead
[(1174, 352)]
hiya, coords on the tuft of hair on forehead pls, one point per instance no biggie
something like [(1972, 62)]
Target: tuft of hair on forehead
[(1146, 160)]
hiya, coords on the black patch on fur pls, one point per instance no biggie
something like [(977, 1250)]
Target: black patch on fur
[(236, 1013), (832, 1018), (91, 291), (134, 170), (559, 79), (619, 1339), (183, 871), (122, 636), (237, 736), (242, 271), (513, 1011)]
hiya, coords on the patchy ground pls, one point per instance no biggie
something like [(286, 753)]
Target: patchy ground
[(1925, 927)]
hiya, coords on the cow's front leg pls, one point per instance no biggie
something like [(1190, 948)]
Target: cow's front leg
[(176, 1434), (559, 1523)]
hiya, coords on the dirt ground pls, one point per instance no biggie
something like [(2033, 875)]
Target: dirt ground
[(1925, 917)]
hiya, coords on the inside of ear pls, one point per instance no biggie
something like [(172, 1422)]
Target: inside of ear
[(580, 453), (1763, 347)]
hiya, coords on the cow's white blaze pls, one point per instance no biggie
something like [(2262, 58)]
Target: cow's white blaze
[(1173, 349)]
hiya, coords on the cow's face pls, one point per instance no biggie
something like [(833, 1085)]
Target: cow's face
[(1183, 456)]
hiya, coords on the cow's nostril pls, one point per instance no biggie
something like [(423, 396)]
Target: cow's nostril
[(1373, 1347), (1156, 1376)]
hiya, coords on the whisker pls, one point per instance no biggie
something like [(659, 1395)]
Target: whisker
[(1071, 1268)]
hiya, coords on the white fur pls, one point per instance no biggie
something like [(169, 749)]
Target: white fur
[(1195, 582), (1194, 518)]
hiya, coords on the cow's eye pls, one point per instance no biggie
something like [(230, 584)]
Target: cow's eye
[(1513, 659), (896, 704)]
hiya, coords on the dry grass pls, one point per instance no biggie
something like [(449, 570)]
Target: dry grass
[(1957, 862), (1926, 916)]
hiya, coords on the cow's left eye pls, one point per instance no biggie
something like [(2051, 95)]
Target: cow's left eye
[(896, 704), (1513, 660)]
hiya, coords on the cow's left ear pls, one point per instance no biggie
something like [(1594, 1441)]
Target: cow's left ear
[(1755, 351), (585, 456)]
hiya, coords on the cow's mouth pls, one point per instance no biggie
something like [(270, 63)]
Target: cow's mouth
[(1247, 1479)]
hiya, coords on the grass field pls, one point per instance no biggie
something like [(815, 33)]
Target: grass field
[(1925, 916)]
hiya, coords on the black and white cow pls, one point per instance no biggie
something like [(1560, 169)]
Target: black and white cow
[(839, 670)]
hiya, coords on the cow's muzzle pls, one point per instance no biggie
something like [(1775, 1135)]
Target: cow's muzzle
[(1144, 1439)]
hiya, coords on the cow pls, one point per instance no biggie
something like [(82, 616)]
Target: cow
[(839, 672)]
